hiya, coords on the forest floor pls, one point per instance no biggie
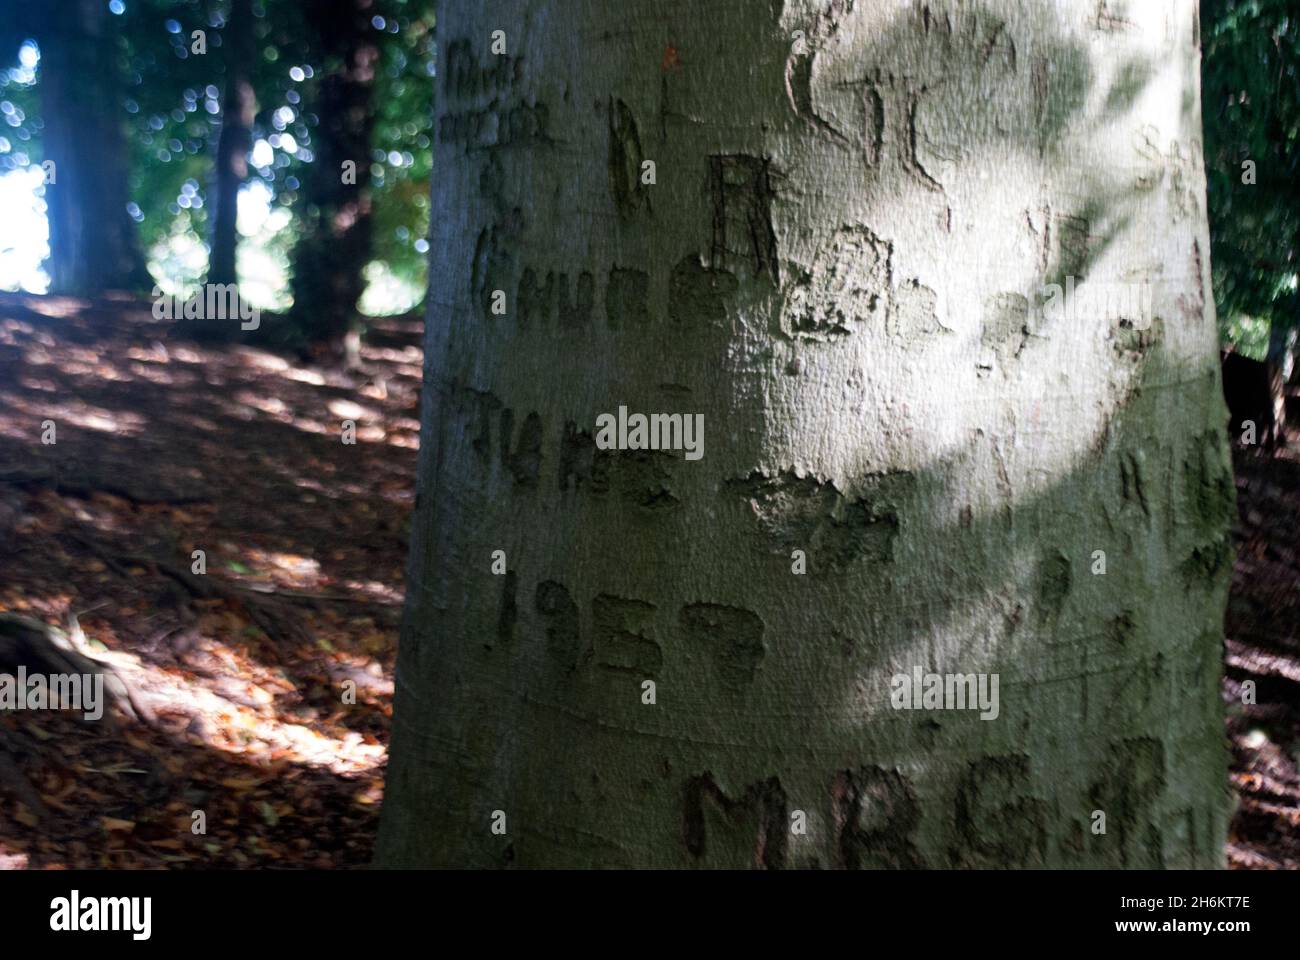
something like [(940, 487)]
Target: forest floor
[(164, 448), (1262, 631)]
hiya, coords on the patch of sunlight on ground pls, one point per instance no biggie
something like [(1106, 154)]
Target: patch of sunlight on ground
[(74, 412), (237, 714), (157, 353), (235, 709), (351, 411), (59, 306)]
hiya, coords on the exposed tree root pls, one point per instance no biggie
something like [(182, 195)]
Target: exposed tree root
[(41, 648), (268, 614)]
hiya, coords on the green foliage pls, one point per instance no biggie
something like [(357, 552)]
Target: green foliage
[(171, 111), (1251, 108), (403, 102), (170, 134), (20, 115)]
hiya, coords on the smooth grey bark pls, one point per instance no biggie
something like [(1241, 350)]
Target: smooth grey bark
[(854, 213)]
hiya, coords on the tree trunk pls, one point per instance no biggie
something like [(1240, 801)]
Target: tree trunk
[(1281, 347), (334, 246), (237, 111), (93, 245), (857, 211)]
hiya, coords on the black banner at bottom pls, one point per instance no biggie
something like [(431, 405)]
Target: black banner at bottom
[(236, 910)]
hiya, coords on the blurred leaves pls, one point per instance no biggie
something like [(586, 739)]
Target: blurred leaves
[(1251, 108), (171, 111)]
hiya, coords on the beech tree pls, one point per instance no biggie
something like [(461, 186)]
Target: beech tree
[(946, 586)]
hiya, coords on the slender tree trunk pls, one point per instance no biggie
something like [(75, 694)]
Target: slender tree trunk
[(334, 247), (237, 111), (1279, 361), (93, 245), (911, 464)]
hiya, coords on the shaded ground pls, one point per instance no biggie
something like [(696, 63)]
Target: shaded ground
[(165, 447), (1263, 647)]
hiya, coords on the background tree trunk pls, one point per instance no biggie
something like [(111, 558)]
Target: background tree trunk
[(334, 248), (1279, 360), (855, 210), (93, 244), (237, 111)]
